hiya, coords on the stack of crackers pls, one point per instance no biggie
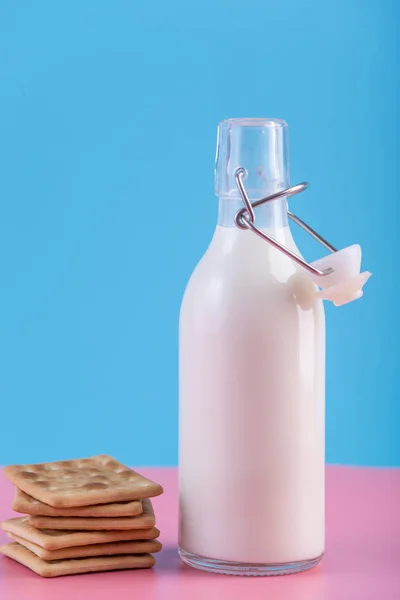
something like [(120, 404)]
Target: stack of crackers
[(87, 515)]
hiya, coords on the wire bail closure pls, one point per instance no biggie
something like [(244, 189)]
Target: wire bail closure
[(245, 219)]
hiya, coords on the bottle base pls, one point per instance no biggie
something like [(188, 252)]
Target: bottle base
[(225, 567)]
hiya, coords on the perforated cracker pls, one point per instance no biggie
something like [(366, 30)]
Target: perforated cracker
[(134, 547), (81, 482), (144, 521), (23, 503), (53, 539), (73, 566)]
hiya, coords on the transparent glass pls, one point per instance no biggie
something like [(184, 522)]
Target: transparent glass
[(224, 567), (261, 147)]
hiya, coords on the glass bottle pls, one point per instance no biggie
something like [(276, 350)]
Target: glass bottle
[(252, 380)]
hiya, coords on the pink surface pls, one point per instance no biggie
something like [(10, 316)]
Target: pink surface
[(362, 560)]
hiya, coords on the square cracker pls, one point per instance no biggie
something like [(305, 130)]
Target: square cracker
[(73, 566), (144, 521), (53, 539), (81, 482), (133, 547), (23, 503)]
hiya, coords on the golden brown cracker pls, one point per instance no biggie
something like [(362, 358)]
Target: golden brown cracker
[(23, 503), (144, 521), (130, 547), (53, 539), (81, 482), (73, 566)]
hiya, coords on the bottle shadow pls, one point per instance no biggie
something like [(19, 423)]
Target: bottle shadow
[(168, 560)]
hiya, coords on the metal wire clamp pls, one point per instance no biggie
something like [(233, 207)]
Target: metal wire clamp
[(245, 219)]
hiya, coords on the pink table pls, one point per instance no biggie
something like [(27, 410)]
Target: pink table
[(362, 560)]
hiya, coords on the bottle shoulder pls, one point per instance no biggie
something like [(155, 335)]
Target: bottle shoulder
[(238, 268)]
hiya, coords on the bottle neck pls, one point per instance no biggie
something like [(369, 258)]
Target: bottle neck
[(259, 149), (272, 215)]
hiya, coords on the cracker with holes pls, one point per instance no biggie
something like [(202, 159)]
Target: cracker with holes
[(144, 521), (73, 566), (130, 547), (81, 482), (23, 503), (53, 539)]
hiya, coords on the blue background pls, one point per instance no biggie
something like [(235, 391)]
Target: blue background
[(108, 115)]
